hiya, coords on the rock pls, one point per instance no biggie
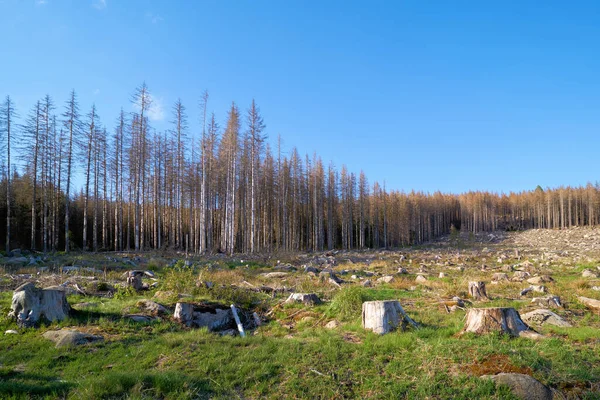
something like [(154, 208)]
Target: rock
[(15, 261), (420, 279), (332, 324), (275, 274), (30, 304), (499, 277), (548, 301), (140, 318), (545, 317), (306, 298), (66, 337), (386, 279), (152, 307), (539, 288), (229, 332), (538, 280), (596, 288), (285, 267), (588, 273), (308, 269), (442, 275), (522, 386), (11, 332), (367, 283), (402, 271), (520, 276), (590, 303)]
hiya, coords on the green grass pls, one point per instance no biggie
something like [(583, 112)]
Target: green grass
[(293, 355)]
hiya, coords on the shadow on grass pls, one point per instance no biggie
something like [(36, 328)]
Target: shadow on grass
[(14, 383)]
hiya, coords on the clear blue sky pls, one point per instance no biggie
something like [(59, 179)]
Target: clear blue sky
[(426, 95)]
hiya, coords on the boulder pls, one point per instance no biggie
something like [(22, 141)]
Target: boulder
[(545, 317), (520, 276), (522, 386), (67, 337), (332, 324)]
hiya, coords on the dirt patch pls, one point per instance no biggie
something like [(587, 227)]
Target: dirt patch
[(495, 364)]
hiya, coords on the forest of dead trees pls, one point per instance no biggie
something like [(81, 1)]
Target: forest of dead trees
[(204, 187)]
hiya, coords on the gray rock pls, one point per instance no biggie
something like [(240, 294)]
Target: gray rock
[(420, 279), (332, 324), (144, 319), (275, 274), (538, 280), (520, 276), (64, 338), (523, 386), (309, 268), (588, 273), (306, 298), (545, 317), (548, 301), (217, 321), (152, 307), (499, 277), (386, 279), (367, 283)]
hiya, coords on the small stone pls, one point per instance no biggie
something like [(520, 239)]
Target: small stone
[(420, 279), (332, 324), (499, 277), (402, 271), (11, 332), (275, 275), (588, 273), (367, 283), (442, 275), (386, 279)]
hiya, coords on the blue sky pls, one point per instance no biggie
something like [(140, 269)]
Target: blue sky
[(426, 95)]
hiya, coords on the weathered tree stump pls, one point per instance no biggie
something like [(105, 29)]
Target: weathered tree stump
[(589, 303), (30, 304), (184, 313), (384, 316), (497, 319), (477, 290)]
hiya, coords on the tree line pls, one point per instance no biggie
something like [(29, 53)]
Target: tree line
[(222, 189)]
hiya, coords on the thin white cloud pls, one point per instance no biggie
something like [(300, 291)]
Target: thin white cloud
[(154, 18), (96, 92), (100, 4), (156, 110), (41, 2)]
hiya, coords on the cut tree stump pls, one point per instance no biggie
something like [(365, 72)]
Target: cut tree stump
[(497, 319), (384, 316), (184, 313), (477, 290), (30, 304)]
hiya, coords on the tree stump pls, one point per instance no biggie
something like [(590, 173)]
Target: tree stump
[(383, 316), (184, 313), (477, 290), (497, 319), (30, 304)]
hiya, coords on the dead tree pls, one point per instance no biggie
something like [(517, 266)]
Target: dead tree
[(477, 290)]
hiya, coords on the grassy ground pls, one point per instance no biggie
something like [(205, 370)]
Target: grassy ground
[(293, 355)]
